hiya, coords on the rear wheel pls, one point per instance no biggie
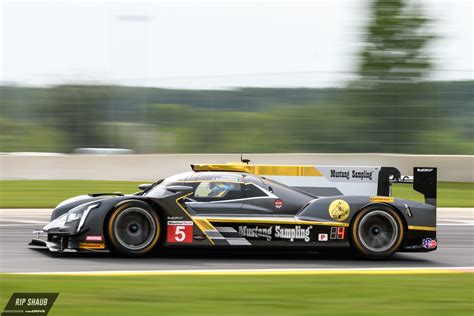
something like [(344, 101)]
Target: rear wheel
[(377, 232), (133, 229)]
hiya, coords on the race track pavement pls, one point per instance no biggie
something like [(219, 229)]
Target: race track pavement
[(455, 238)]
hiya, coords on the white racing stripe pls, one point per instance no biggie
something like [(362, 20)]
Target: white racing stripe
[(238, 241), (226, 229), (392, 270)]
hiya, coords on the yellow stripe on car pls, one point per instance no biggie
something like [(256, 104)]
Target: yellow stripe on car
[(427, 228), (269, 170), (204, 224), (185, 211), (274, 220)]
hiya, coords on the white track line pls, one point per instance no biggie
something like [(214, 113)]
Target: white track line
[(455, 224), (22, 225)]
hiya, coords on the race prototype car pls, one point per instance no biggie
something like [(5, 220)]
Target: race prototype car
[(244, 205)]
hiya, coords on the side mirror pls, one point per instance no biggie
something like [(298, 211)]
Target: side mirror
[(179, 188), (144, 186)]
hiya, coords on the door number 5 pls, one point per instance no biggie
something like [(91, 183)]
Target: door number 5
[(180, 231)]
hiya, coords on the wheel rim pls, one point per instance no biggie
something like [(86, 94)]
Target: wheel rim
[(378, 231), (135, 228)]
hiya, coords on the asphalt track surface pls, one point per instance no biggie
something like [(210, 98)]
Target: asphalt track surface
[(455, 238)]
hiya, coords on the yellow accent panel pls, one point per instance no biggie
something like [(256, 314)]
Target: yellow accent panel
[(185, 211), (427, 228), (269, 170), (383, 199), (86, 245), (204, 224), (182, 197)]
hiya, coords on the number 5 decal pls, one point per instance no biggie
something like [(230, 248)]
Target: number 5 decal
[(180, 231)]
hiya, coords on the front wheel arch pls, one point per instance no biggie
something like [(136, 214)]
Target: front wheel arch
[(122, 205)]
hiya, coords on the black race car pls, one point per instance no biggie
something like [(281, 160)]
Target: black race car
[(243, 205)]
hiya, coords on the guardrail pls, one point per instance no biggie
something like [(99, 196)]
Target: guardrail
[(149, 167)]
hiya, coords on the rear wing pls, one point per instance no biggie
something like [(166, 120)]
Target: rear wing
[(424, 181), (336, 180)]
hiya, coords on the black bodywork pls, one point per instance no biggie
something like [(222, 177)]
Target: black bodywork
[(255, 212)]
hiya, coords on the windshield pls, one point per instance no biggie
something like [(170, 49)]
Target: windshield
[(159, 187)]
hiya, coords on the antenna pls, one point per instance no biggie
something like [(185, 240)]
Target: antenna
[(244, 160)]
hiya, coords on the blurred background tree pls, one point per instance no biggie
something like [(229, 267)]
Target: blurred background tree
[(396, 38), (388, 100), (392, 107)]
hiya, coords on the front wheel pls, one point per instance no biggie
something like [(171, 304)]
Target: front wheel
[(133, 229), (377, 232)]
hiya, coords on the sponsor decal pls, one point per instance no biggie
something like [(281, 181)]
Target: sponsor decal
[(228, 178), (180, 231), (26, 303), (256, 232), (424, 169), (293, 233), (337, 233), (94, 238), (383, 199), (268, 233), (340, 174), (90, 245), (322, 237), (175, 218), (362, 174), (429, 243), (339, 210), (278, 203), (352, 174)]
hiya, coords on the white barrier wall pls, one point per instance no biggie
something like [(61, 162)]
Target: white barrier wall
[(150, 167)]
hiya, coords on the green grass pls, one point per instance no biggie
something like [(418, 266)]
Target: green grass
[(450, 194), (430, 294), (48, 193)]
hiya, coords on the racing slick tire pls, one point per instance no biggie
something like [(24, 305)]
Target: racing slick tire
[(133, 229), (377, 232)]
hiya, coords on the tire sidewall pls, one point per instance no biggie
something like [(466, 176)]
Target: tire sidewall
[(115, 245), (357, 244)]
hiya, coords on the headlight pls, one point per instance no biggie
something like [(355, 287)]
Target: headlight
[(74, 216), (77, 217), (83, 215)]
